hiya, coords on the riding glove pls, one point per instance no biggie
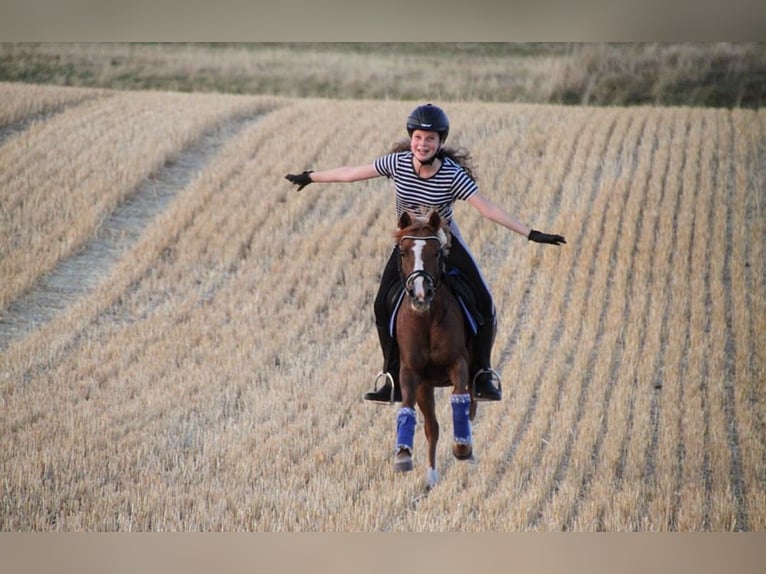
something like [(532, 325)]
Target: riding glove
[(301, 179), (539, 237)]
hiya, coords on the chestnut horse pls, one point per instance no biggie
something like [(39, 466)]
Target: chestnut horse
[(434, 344)]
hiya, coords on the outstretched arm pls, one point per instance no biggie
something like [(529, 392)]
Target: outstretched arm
[(495, 213), (343, 174)]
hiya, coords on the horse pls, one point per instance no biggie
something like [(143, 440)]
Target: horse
[(434, 343)]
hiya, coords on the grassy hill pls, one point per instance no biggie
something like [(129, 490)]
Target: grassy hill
[(697, 74)]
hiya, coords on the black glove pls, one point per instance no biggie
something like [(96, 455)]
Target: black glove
[(301, 179), (546, 238)]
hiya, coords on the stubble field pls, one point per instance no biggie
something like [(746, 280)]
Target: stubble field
[(185, 340)]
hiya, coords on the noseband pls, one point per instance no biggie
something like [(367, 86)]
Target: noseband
[(431, 284)]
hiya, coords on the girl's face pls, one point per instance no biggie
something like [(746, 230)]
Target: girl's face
[(424, 144)]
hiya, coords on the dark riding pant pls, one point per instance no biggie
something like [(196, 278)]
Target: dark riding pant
[(459, 259)]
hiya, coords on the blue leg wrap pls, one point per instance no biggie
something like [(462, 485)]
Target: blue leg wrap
[(461, 423), (405, 427)]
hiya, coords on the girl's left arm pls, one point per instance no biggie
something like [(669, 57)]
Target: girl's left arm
[(495, 213)]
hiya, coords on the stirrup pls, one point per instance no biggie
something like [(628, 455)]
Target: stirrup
[(389, 378), (494, 376)]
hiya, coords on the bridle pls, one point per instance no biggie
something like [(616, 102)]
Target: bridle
[(430, 284)]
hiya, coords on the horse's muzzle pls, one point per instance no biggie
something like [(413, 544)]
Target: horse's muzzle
[(421, 289)]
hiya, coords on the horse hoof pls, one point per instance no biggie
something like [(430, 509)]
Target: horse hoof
[(432, 477), (462, 451), (402, 461)]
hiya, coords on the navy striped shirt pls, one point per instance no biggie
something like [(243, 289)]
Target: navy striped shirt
[(414, 193)]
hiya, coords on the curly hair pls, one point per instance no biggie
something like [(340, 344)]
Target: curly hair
[(459, 155)]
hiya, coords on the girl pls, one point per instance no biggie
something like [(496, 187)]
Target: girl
[(427, 175)]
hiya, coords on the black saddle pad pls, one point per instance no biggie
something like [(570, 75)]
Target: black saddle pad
[(465, 293)]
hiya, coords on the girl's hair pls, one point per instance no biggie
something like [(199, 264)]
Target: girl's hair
[(460, 156)]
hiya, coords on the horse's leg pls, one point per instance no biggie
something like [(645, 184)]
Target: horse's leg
[(406, 420), (462, 402), (425, 396), (470, 389)]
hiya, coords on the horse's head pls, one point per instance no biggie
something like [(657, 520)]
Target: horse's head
[(423, 244)]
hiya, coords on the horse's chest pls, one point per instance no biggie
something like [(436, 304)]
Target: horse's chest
[(431, 349), (430, 340), (438, 359)]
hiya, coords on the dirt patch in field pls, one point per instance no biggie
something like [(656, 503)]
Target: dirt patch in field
[(76, 276)]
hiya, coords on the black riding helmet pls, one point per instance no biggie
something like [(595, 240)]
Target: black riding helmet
[(431, 118)]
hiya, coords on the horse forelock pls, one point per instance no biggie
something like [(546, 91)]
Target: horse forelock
[(420, 226)]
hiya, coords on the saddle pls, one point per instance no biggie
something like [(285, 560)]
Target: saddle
[(459, 287)]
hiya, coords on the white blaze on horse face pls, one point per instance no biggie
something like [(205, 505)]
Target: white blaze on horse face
[(417, 251)]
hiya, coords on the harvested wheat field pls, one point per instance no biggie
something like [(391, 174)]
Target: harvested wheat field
[(185, 340)]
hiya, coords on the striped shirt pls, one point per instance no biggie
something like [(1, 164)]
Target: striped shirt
[(438, 192)]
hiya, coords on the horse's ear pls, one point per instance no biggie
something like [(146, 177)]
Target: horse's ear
[(435, 220), (405, 220)]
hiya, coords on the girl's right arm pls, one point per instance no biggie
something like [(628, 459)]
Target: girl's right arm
[(338, 174), (345, 174)]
